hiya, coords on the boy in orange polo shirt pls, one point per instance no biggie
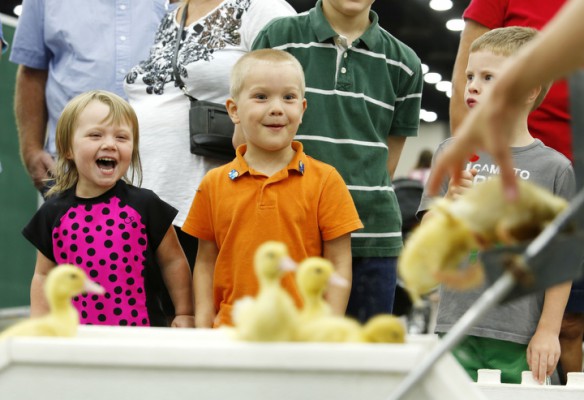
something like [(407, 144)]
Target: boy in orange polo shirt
[(270, 191)]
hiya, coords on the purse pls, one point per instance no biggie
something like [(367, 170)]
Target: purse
[(210, 127)]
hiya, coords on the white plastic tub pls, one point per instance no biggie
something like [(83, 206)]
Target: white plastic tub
[(150, 363)]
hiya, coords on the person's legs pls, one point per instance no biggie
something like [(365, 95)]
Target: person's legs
[(467, 356), (474, 353), (509, 357), (572, 332), (373, 287), (571, 335)]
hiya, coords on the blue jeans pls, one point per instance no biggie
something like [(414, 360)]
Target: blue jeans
[(373, 289)]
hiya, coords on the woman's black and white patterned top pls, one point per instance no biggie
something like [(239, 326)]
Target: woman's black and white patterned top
[(209, 48)]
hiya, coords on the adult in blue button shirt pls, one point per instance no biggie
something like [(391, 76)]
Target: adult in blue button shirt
[(66, 47), (2, 41)]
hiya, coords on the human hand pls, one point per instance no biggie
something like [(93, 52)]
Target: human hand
[(465, 183), (40, 166), (543, 353), (183, 321), (204, 320), (487, 127)]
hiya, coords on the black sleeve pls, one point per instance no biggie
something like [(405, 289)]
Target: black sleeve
[(158, 214), (39, 230)]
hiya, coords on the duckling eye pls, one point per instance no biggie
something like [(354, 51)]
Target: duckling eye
[(318, 271), (73, 276)]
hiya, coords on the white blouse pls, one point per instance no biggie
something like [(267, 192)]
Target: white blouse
[(208, 50)]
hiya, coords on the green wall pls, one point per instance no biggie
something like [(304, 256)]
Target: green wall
[(18, 199)]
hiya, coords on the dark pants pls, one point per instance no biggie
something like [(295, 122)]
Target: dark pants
[(373, 288)]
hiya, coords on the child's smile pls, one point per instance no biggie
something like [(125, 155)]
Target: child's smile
[(102, 151), (270, 106)]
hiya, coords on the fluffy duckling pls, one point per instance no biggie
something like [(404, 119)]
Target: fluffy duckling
[(62, 284), (384, 328), (331, 329), (441, 243), (317, 324), (271, 316), (477, 220), (313, 276)]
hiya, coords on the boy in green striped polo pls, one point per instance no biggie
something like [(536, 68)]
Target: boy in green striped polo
[(364, 91)]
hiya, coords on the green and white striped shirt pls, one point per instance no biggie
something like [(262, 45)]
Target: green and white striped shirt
[(358, 94)]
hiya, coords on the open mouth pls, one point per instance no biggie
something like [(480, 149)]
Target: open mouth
[(106, 163)]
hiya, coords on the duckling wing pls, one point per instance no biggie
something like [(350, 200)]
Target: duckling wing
[(31, 327), (331, 329), (242, 308), (270, 317), (384, 328)]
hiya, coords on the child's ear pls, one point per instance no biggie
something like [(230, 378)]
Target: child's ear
[(231, 106), (304, 105), (533, 94)]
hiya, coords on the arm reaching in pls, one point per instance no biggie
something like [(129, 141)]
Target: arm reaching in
[(553, 54)]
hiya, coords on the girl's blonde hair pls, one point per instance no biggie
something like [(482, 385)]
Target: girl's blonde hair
[(247, 62), (121, 112)]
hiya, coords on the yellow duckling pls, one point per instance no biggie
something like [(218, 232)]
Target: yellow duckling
[(62, 284), (271, 316), (313, 276), (384, 328), (317, 324), (480, 218), (331, 329), (440, 244), (379, 329)]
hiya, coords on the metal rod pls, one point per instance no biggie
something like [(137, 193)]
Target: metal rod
[(484, 303)]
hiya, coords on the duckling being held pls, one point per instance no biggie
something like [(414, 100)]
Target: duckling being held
[(271, 316), (479, 219), (62, 284)]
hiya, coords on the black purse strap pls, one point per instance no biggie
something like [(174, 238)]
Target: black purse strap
[(175, 70)]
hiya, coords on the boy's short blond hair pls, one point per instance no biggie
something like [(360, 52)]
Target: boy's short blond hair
[(507, 42), (246, 63)]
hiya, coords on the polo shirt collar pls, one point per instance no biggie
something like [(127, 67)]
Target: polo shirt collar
[(239, 166), (324, 31)]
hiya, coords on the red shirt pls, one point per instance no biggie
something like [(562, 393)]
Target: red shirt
[(551, 121)]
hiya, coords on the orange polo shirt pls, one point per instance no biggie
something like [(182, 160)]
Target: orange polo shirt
[(302, 205)]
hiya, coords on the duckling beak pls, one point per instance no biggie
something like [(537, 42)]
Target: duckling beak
[(92, 287), (287, 264), (338, 280)]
